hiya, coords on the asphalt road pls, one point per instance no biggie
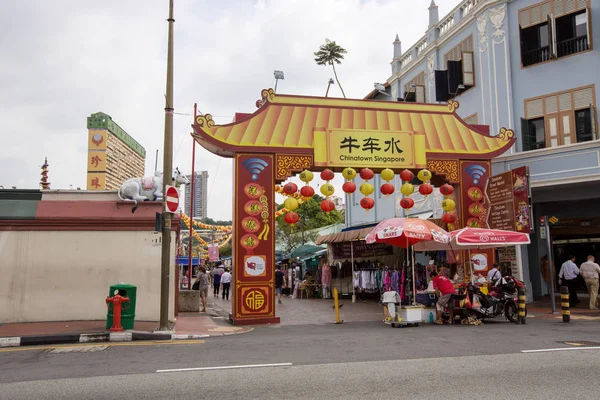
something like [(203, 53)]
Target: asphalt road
[(355, 360)]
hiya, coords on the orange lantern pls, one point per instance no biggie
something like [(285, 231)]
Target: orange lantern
[(349, 187), (407, 203), (307, 191), (448, 218), (425, 189), (367, 203), (387, 189), (327, 205), (291, 218)]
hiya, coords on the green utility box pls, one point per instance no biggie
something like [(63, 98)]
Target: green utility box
[(128, 310)]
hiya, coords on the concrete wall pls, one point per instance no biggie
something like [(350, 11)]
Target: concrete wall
[(65, 275)]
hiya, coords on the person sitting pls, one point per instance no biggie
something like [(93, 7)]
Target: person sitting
[(494, 274), (444, 289)]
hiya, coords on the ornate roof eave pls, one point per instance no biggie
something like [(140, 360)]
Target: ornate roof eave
[(286, 124)]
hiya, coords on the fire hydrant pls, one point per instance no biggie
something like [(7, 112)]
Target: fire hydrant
[(117, 300)]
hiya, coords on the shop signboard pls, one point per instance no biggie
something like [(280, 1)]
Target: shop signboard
[(508, 198), (342, 251), (507, 256)]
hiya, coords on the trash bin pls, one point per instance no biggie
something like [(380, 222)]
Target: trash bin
[(128, 312)]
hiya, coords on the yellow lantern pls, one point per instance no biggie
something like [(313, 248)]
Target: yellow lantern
[(306, 176), (407, 189), (387, 174), (424, 175), (327, 189), (448, 205), (291, 203), (366, 189), (349, 173)]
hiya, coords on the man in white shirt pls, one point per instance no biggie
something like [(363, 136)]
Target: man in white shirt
[(494, 274), (568, 276), (226, 281), (590, 271)]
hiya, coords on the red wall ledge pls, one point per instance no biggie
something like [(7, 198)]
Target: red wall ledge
[(69, 215)]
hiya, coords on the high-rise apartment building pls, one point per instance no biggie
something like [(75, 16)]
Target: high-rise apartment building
[(200, 195), (113, 155)]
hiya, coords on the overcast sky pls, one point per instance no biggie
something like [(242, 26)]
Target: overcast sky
[(63, 60)]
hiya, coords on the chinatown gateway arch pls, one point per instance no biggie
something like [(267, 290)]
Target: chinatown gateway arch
[(288, 134)]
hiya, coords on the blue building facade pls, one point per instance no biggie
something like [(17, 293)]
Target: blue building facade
[(527, 65)]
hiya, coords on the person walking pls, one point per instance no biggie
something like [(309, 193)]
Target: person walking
[(278, 284), (216, 282), (590, 271), (203, 285), (226, 282), (568, 274)]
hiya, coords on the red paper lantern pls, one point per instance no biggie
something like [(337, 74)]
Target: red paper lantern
[(327, 206), (291, 218), (446, 189), (367, 203), (448, 218), (349, 187), (366, 174), (327, 175), (407, 203), (425, 189), (387, 189), (307, 191), (407, 175), (290, 188)]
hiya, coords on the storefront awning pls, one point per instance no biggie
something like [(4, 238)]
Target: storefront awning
[(357, 234)]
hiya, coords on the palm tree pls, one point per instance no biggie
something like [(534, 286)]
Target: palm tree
[(331, 53)]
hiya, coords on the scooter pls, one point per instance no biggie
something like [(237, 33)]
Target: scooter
[(502, 299)]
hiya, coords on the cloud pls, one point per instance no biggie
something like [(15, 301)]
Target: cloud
[(63, 61)]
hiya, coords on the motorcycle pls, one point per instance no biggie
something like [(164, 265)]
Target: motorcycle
[(501, 300)]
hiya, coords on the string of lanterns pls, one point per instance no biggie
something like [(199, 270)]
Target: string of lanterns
[(224, 240), (197, 224), (295, 198)]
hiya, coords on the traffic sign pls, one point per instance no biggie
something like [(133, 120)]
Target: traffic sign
[(172, 196)]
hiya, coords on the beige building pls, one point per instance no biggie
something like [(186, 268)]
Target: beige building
[(113, 155)]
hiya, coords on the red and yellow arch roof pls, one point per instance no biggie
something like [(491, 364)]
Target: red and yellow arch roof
[(302, 124)]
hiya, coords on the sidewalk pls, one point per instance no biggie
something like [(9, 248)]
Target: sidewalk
[(541, 308), (186, 326), (315, 311)]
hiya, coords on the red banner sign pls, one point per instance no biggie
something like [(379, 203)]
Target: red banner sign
[(254, 246)]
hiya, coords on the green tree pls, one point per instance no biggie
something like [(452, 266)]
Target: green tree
[(311, 217), (331, 53)]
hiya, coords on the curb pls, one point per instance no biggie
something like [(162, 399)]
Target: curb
[(73, 338)]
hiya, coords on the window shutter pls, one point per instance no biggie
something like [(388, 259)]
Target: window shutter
[(534, 108), (551, 104), (441, 86), (564, 101), (594, 121), (522, 46), (454, 77), (583, 97), (536, 15), (588, 25), (420, 93), (551, 29), (546, 9), (468, 69), (525, 18), (525, 136)]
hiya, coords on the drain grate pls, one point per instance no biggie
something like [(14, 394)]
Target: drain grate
[(77, 349), (579, 343)]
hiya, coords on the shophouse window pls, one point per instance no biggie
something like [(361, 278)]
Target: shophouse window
[(554, 29), (558, 119), (533, 134)]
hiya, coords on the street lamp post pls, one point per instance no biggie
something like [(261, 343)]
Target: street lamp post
[(165, 266)]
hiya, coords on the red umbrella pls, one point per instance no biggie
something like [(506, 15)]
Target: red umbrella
[(404, 231), (477, 238)]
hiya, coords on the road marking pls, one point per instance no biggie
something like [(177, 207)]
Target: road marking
[(225, 367), (560, 349), (110, 344)]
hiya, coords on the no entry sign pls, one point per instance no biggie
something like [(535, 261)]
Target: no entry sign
[(172, 196)]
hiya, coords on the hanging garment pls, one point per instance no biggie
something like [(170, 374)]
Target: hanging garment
[(378, 280), (387, 281), (395, 281), (326, 275), (356, 279), (365, 280), (402, 281)]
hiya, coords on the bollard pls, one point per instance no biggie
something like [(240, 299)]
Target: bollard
[(336, 305), (522, 318), (564, 302)]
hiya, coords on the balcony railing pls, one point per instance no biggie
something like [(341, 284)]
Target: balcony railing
[(572, 46), (536, 56)]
